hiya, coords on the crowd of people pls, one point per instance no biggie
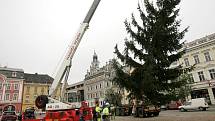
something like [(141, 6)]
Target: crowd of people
[(103, 114)]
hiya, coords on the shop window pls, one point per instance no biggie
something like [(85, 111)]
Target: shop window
[(196, 59), (207, 56), (203, 93), (201, 76), (212, 73), (186, 61)]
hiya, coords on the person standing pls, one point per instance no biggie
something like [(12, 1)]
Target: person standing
[(105, 112), (98, 112)]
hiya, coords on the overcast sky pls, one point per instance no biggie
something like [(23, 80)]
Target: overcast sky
[(34, 34)]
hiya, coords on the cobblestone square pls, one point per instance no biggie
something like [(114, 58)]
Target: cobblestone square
[(175, 115)]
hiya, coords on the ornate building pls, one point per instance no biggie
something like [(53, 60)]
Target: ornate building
[(11, 87), (98, 80), (202, 53)]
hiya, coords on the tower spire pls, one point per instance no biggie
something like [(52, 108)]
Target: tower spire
[(95, 63)]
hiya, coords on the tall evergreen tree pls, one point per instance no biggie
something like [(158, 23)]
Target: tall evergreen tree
[(153, 45)]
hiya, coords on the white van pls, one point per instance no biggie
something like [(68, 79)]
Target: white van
[(194, 104)]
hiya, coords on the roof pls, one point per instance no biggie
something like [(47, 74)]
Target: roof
[(11, 69), (38, 78), (75, 84)]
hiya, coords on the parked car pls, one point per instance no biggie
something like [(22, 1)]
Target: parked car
[(195, 104), (147, 111), (163, 107), (173, 105), (9, 116)]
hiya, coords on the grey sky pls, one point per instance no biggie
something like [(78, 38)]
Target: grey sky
[(34, 34)]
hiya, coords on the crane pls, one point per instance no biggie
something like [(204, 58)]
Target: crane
[(63, 71)]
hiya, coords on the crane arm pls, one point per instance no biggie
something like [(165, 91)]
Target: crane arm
[(66, 64)]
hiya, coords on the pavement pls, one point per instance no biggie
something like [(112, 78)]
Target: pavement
[(175, 115)]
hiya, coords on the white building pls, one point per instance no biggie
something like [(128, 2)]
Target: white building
[(202, 53), (75, 93), (97, 81)]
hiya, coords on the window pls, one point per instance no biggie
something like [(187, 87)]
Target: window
[(191, 76), (8, 87), (107, 84), (27, 98), (42, 90), (35, 96), (14, 74), (15, 96), (186, 61), (16, 86), (0, 96), (28, 89), (88, 96), (35, 90), (100, 85), (201, 76), (196, 59), (96, 86), (0, 85), (101, 94), (207, 56), (212, 73), (7, 97)]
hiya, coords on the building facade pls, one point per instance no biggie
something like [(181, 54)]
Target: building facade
[(75, 94), (11, 88), (201, 52), (97, 81), (35, 85)]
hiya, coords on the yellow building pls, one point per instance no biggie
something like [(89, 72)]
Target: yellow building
[(35, 85)]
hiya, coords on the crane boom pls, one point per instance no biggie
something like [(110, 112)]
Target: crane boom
[(66, 64)]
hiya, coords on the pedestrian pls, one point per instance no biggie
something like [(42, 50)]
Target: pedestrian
[(105, 112), (112, 114), (98, 111)]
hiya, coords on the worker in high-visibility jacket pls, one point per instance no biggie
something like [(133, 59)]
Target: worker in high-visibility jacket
[(98, 112), (106, 112)]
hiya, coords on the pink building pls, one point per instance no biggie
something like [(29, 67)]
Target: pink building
[(11, 88)]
